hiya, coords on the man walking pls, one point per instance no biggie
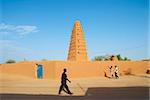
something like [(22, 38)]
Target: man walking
[(116, 72), (63, 85), (111, 72)]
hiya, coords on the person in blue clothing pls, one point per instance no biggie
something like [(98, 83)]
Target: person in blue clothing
[(39, 71), (64, 85)]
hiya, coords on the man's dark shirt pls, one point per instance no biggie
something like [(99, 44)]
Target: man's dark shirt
[(64, 78)]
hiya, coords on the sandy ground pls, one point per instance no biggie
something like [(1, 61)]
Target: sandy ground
[(11, 84)]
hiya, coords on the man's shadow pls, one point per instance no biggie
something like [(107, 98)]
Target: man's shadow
[(105, 75)]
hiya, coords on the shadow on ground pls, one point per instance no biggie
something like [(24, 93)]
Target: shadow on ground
[(140, 75), (103, 93)]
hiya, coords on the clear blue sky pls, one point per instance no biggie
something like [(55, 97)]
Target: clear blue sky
[(41, 29)]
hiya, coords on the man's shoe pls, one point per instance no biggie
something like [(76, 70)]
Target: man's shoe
[(70, 93)]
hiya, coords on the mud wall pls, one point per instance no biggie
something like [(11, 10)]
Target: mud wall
[(99, 68), (53, 69)]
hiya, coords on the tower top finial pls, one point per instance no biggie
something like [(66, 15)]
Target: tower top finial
[(77, 21)]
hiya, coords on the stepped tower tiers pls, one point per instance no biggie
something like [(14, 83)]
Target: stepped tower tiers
[(77, 48)]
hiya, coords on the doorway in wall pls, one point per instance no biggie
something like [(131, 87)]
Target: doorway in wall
[(39, 71)]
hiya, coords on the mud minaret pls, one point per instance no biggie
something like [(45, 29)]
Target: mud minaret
[(77, 48)]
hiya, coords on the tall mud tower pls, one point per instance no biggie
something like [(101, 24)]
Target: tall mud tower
[(77, 48)]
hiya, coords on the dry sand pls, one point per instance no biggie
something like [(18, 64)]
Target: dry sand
[(11, 84)]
